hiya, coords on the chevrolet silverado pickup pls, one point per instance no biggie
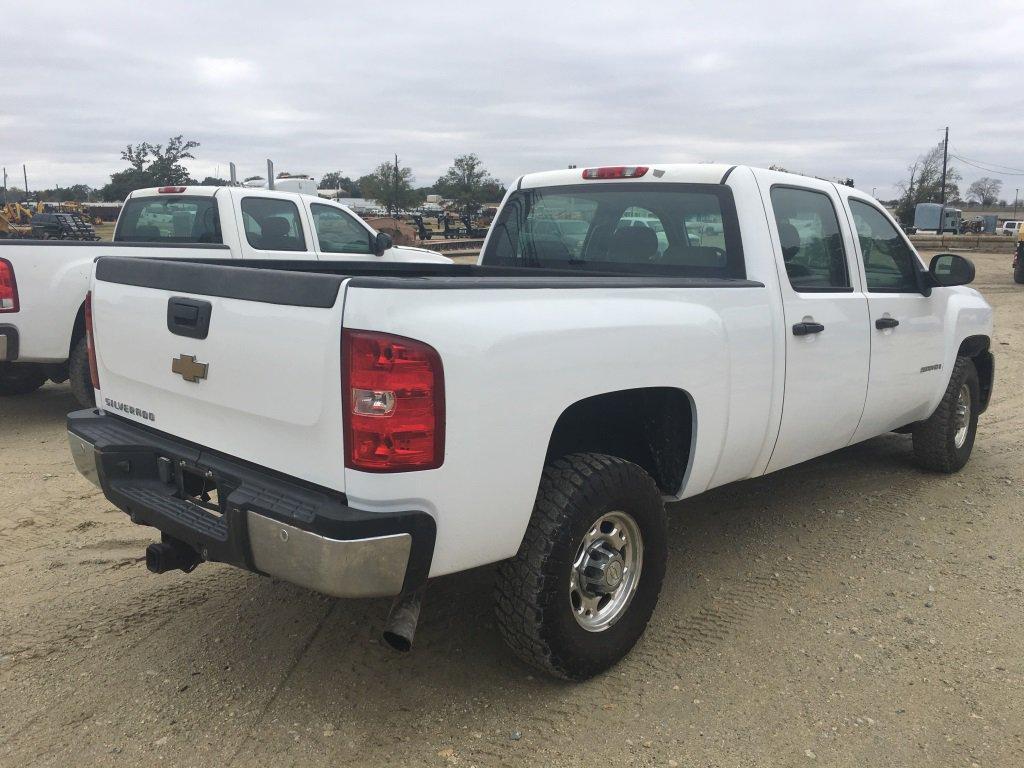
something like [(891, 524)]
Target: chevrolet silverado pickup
[(43, 283), (359, 429)]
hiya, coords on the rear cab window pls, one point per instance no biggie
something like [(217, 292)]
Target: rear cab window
[(675, 230), (169, 219)]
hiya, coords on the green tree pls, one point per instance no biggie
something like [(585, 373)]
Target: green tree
[(391, 186), (985, 190), (213, 181), (924, 184), (74, 193), (13, 195), (468, 185), (335, 180), (151, 165)]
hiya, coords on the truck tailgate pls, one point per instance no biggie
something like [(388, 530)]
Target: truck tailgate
[(264, 383)]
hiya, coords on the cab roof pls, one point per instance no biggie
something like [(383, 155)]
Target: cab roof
[(692, 173)]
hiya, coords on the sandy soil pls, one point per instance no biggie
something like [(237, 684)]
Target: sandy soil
[(851, 611)]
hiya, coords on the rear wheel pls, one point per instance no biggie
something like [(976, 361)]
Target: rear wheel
[(1018, 272), (579, 593), (20, 379), (80, 376), (944, 441)]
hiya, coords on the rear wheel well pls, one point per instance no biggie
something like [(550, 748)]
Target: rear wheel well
[(78, 329), (977, 348), (651, 427)]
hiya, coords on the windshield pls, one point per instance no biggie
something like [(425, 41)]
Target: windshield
[(679, 230), (171, 219)]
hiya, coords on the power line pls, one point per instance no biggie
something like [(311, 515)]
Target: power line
[(994, 167), (985, 168)]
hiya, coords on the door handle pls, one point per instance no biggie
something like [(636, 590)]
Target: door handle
[(803, 329), (886, 322), (188, 317)]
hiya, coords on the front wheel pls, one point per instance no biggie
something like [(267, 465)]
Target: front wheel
[(1018, 272), (579, 593), (943, 442)]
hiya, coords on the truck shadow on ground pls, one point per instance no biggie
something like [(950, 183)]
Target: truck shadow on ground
[(736, 536), (39, 409)]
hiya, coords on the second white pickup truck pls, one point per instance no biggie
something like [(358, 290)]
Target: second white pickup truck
[(361, 428), (43, 283)]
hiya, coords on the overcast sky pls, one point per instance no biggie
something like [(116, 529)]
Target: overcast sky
[(832, 89)]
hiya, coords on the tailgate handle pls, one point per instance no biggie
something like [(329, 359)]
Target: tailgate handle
[(188, 317)]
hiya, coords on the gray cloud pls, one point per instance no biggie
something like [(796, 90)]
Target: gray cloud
[(855, 89)]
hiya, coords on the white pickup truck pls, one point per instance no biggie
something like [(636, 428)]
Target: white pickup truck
[(43, 283), (359, 429)]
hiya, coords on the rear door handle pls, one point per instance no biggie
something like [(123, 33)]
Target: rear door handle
[(886, 322), (803, 329)]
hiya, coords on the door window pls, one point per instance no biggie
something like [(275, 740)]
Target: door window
[(890, 266), (337, 232), (272, 224), (812, 244)]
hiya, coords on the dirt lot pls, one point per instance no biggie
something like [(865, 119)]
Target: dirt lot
[(851, 611)]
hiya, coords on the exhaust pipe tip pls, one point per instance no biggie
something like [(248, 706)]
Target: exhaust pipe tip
[(397, 641), (400, 628), (171, 555)]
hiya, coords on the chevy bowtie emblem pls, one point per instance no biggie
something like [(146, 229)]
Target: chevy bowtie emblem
[(187, 367)]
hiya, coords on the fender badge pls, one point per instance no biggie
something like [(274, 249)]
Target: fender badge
[(187, 367)]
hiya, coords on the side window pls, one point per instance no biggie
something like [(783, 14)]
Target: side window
[(889, 264), (272, 224), (812, 244), (338, 232)]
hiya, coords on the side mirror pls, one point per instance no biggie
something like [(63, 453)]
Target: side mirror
[(382, 242), (949, 269)]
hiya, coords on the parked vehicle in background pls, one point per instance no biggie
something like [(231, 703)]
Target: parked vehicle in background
[(1018, 258), (927, 217), (1010, 228), (62, 226), (360, 428), (44, 282)]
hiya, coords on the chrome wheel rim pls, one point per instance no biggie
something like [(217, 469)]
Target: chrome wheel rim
[(606, 571), (962, 416)]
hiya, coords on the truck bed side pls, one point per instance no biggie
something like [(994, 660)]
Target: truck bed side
[(518, 357)]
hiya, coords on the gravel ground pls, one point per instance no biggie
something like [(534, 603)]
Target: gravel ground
[(849, 611)]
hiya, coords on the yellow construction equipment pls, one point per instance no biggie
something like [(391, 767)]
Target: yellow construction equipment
[(9, 229)]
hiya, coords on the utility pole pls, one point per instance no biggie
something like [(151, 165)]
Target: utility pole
[(25, 174), (942, 198), (1016, 194), (5, 185)]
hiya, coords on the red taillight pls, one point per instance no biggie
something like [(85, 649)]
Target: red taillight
[(170, 190), (90, 342), (615, 172), (8, 288), (393, 396)]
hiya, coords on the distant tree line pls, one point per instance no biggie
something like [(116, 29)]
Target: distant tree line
[(466, 183)]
